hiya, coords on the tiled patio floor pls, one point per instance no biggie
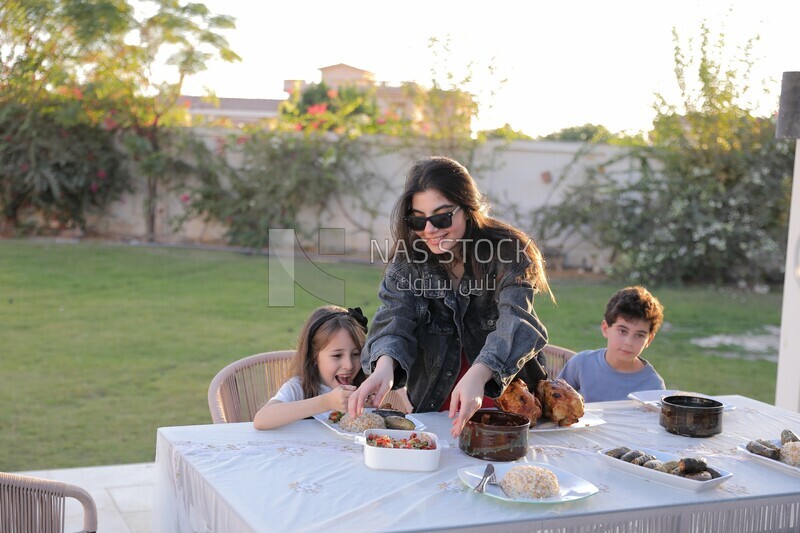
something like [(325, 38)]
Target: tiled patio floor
[(123, 495)]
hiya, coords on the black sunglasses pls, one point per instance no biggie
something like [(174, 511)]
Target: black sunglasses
[(440, 221)]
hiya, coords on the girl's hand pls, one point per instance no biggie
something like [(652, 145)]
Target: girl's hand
[(467, 396), (337, 398), (374, 388)]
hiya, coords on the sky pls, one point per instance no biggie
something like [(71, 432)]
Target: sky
[(556, 64)]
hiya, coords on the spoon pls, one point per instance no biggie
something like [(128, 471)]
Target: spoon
[(488, 473)]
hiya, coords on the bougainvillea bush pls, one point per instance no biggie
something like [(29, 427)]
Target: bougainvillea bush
[(53, 172)]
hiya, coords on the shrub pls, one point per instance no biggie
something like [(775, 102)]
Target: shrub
[(56, 170)]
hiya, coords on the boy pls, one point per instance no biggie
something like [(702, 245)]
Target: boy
[(631, 320)]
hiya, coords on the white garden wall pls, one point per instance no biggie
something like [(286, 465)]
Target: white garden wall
[(529, 174)]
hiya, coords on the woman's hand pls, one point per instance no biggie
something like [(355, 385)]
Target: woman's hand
[(338, 397), (374, 387), (467, 396)]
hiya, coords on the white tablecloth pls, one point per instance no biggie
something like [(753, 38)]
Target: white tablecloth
[(305, 477)]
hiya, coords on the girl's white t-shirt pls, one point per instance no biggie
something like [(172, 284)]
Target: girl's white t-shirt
[(292, 391)]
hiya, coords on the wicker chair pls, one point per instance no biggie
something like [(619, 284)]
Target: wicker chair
[(240, 389), (555, 358), (35, 504)]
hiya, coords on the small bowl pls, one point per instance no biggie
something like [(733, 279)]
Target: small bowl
[(691, 416), (495, 435), (400, 458)]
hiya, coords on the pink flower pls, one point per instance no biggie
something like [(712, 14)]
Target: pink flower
[(332, 93), (93, 187), (298, 126), (24, 167), (185, 198), (220, 145), (317, 109), (241, 140), (102, 174)]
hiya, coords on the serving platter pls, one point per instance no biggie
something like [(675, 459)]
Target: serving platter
[(587, 420), (333, 426), (774, 463), (653, 397), (571, 486), (664, 478)]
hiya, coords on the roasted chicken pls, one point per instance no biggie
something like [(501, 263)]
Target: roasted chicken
[(518, 399), (560, 402)]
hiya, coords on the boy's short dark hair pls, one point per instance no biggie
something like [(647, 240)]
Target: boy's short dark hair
[(635, 303)]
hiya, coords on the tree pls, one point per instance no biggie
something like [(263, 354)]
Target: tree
[(506, 133), (189, 36), (708, 200), (53, 160), (46, 44), (586, 133), (109, 51)]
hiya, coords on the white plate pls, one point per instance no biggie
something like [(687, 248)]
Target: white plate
[(663, 477), (323, 417), (653, 397), (587, 420), (774, 463), (571, 486)]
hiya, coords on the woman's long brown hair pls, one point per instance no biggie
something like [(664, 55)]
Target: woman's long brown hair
[(453, 180)]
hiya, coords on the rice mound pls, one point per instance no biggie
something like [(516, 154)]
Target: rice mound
[(790, 453), (527, 481), (361, 423)]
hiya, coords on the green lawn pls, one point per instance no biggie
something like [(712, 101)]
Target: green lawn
[(102, 344)]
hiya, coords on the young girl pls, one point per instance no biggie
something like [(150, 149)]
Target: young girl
[(327, 368)]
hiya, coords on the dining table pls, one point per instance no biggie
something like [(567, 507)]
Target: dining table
[(306, 476)]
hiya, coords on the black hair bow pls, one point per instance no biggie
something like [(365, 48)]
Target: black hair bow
[(356, 313)]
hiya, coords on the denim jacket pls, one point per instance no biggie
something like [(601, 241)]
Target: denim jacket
[(424, 322)]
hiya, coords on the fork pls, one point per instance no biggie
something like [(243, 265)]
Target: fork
[(493, 481)]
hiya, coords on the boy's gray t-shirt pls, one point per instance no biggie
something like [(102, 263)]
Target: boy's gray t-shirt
[(590, 375)]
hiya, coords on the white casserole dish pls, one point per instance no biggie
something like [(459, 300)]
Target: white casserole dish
[(399, 458)]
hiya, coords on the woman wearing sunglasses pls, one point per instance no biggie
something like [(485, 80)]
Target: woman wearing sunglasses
[(456, 321)]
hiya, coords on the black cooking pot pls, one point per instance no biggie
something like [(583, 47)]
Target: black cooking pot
[(495, 436), (691, 416)]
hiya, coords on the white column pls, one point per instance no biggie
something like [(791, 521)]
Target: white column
[(787, 392)]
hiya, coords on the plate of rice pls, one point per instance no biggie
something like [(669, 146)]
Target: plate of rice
[(367, 420), (530, 483)]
